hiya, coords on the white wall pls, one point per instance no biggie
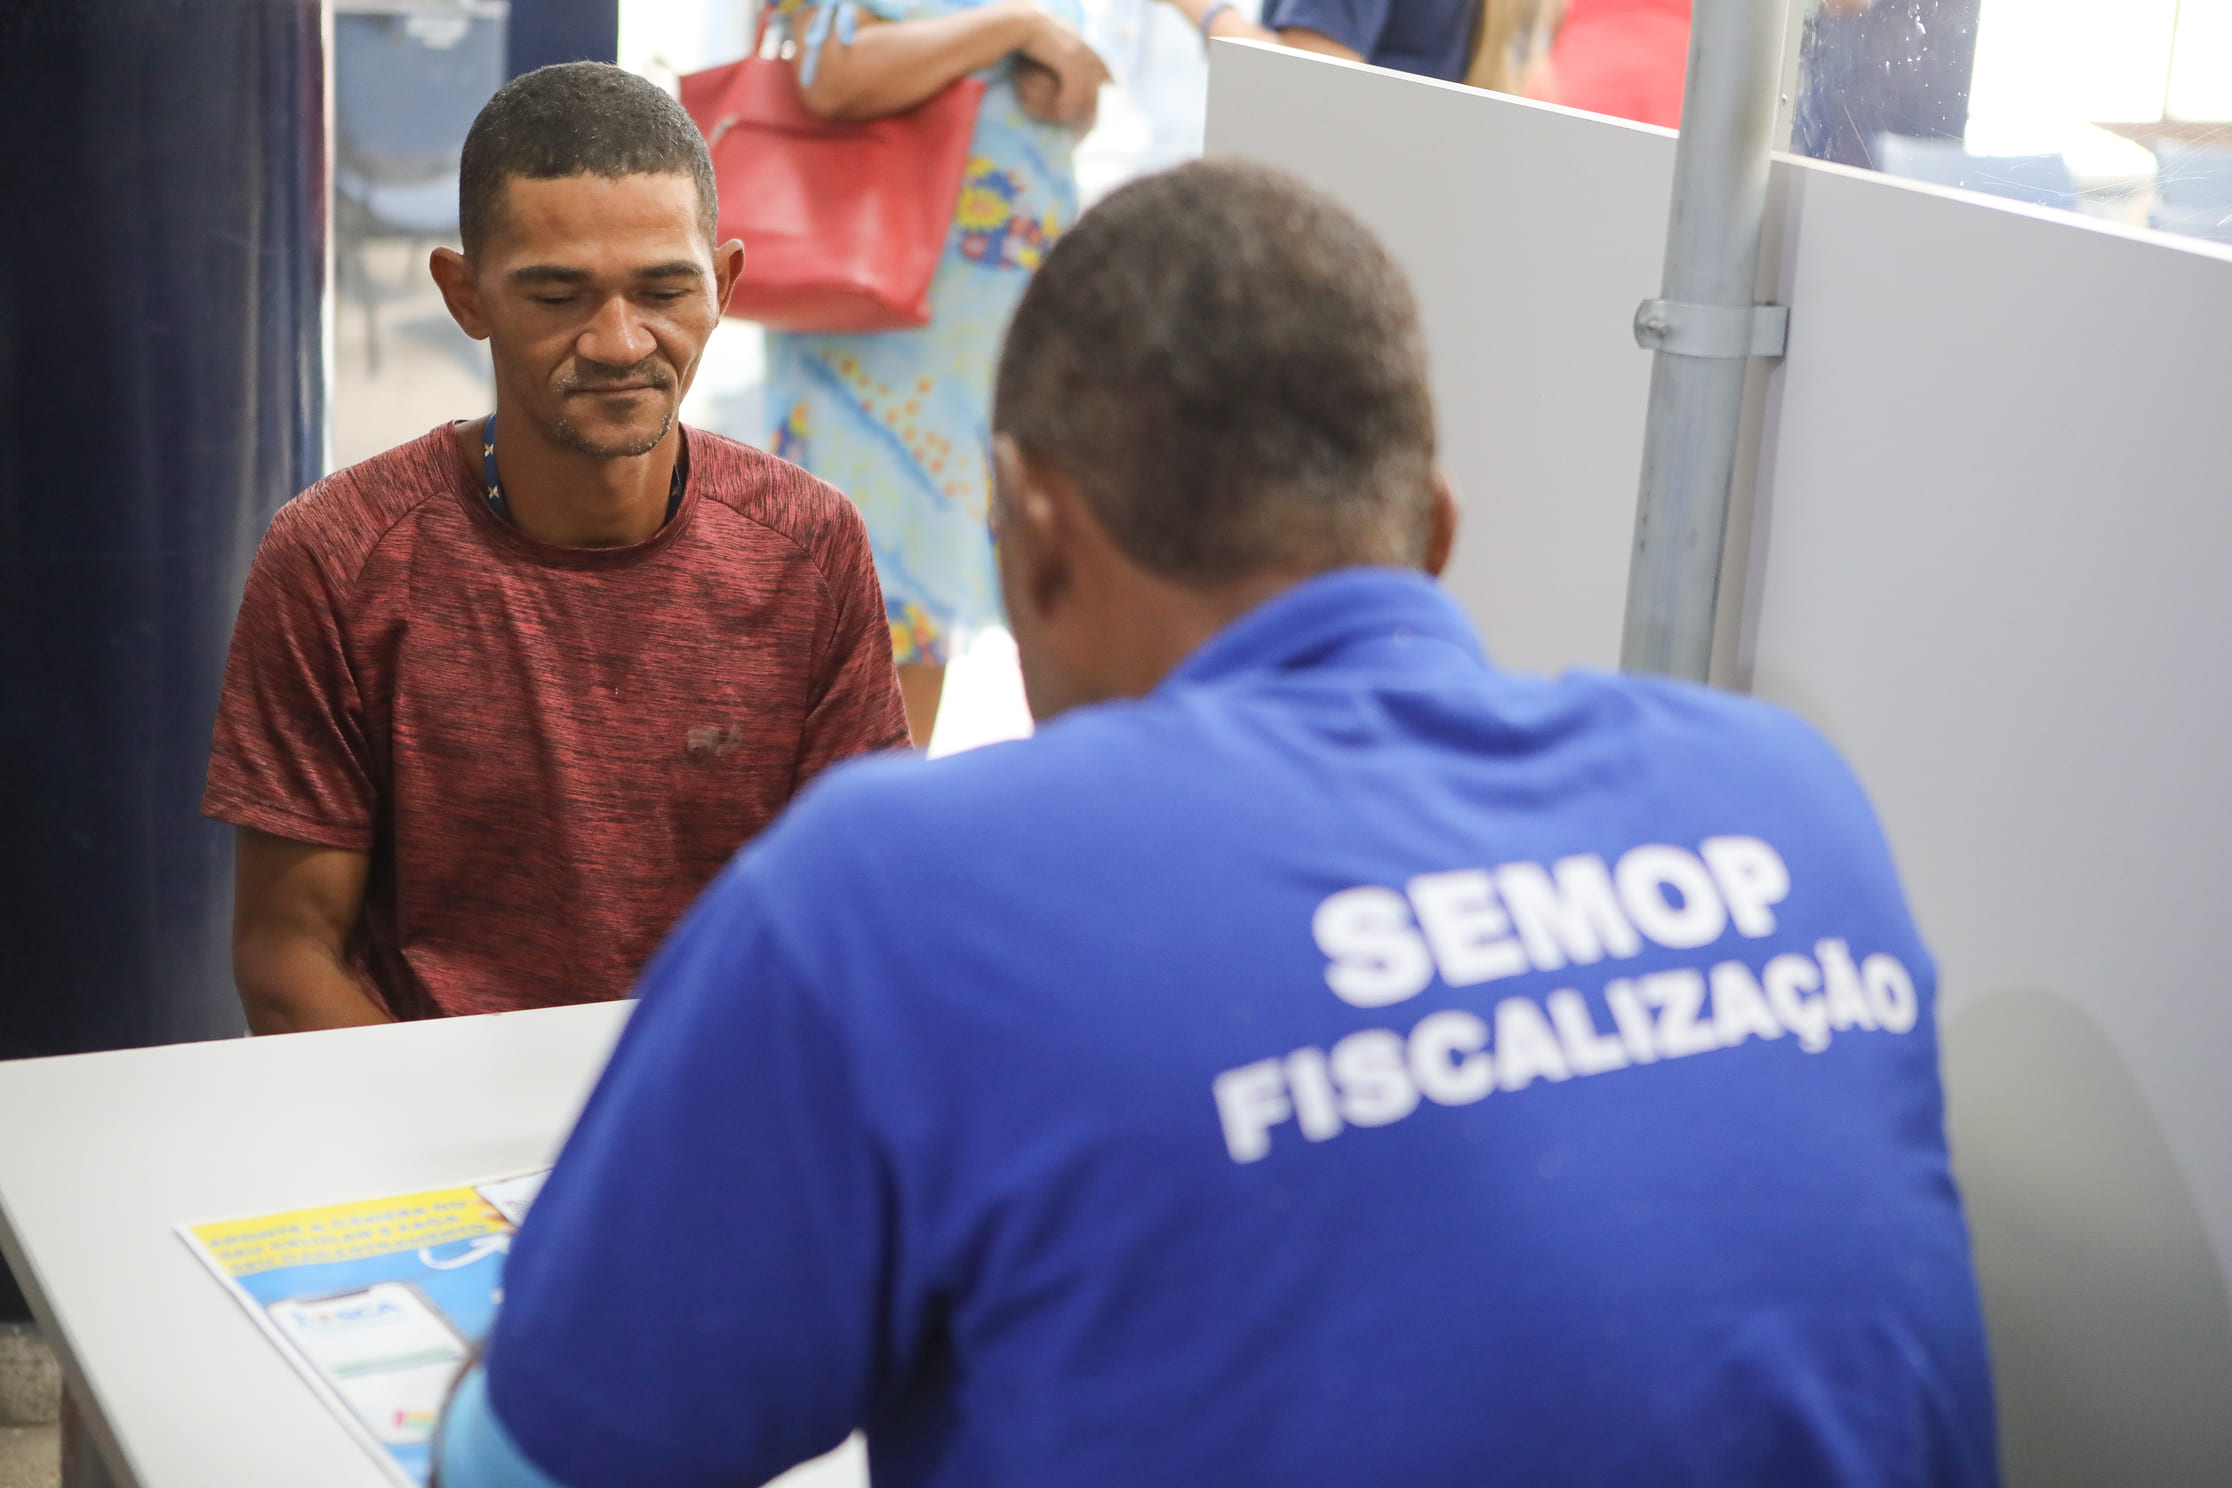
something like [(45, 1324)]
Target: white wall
[(1994, 523), (1512, 224)]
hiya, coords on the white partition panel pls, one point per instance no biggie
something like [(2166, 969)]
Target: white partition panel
[(1992, 559), (1992, 565), (1510, 222)]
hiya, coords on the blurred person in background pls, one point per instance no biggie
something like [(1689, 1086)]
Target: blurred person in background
[(1432, 38), (899, 420), (1626, 58), (1514, 37)]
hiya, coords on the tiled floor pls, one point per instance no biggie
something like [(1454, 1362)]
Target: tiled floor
[(30, 1456), (30, 1399)]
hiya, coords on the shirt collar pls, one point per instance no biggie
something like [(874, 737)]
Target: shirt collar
[(1323, 617)]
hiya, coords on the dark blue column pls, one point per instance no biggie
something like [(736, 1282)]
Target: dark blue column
[(162, 249), (540, 32)]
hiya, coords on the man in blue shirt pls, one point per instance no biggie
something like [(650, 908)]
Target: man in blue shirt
[(1316, 1058)]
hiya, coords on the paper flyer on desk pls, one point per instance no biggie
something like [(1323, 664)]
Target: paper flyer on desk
[(376, 1302)]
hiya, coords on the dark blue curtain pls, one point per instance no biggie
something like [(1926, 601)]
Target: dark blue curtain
[(541, 32), (162, 250)]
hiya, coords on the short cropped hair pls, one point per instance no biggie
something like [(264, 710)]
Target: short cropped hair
[(1232, 370), (576, 119)]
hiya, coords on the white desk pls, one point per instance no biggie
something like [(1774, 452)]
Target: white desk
[(101, 1154)]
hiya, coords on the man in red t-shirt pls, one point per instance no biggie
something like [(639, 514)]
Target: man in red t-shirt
[(501, 701)]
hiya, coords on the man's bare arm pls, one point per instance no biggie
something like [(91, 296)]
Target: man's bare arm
[(294, 906)]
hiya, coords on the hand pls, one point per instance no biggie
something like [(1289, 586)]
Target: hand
[(1073, 93), (1038, 88)]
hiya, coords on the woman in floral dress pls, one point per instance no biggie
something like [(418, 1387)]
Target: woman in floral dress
[(901, 420)]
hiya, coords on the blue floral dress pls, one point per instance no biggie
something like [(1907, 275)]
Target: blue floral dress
[(900, 421)]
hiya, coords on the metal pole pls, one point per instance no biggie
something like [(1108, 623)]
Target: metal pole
[(1703, 328)]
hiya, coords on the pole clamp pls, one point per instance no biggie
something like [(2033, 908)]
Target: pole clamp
[(1712, 330)]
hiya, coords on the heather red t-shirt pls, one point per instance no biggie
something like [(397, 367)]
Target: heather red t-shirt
[(546, 751)]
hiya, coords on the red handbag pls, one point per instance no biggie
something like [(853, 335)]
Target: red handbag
[(843, 223)]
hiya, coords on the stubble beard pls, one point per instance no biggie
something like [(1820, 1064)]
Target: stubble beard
[(589, 379), (575, 439)]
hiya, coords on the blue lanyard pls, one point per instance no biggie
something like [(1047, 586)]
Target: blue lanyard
[(496, 502), (498, 505)]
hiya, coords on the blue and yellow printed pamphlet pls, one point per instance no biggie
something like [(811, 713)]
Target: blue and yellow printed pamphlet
[(377, 1303)]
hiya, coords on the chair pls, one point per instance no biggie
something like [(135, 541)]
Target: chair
[(2193, 190), (2042, 180), (407, 85)]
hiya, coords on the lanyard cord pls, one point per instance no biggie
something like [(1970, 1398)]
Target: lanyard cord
[(502, 508)]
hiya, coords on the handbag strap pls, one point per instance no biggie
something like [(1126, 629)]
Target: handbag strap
[(768, 10), (841, 17), (722, 125)]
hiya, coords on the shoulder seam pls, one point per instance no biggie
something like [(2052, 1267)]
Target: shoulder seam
[(813, 483), (383, 534), (820, 573), (376, 535)]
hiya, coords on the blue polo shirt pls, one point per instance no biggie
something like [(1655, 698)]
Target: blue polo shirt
[(1348, 1066), (1432, 38)]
